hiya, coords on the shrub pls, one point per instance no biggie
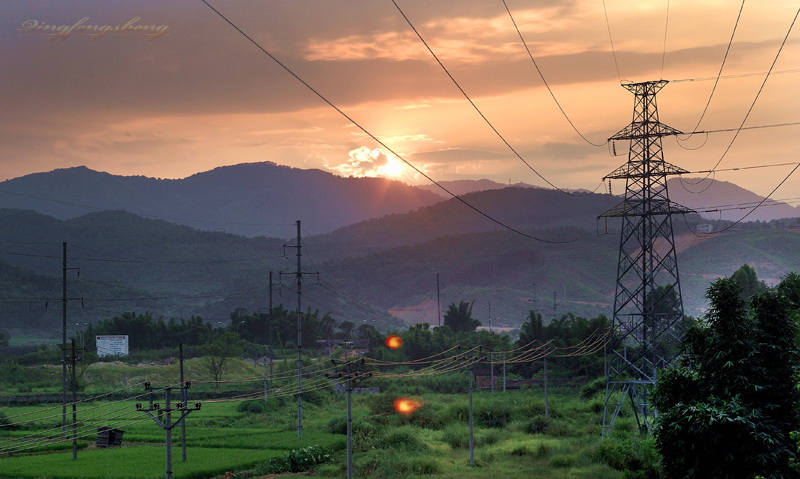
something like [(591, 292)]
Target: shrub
[(456, 436), (588, 391), (637, 458), (537, 425), (6, 423), (400, 439), (253, 407), (296, 460)]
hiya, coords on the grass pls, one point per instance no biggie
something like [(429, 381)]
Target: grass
[(513, 438), (143, 462)]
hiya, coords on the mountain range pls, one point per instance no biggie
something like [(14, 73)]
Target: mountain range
[(510, 249)]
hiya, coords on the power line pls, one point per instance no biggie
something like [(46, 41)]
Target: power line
[(474, 106), (664, 51), (738, 75), (611, 40), (368, 133), (758, 94), (760, 203), (546, 84), (721, 67)]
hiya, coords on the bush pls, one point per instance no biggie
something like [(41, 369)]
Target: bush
[(400, 439), (537, 425), (253, 407), (637, 458), (485, 413), (6, 423), (588, 391), (456, 436), (296, 460)]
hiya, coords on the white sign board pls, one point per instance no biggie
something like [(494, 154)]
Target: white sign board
[(112, 345)]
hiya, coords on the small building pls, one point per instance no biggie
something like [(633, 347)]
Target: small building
[(109, 436), (705, 228)]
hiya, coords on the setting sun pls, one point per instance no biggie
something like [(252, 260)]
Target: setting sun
[(393, 167)]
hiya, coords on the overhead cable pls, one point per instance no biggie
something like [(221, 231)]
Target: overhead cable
[(375, 138)]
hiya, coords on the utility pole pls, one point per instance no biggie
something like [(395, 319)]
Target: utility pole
[(351, 380), (64, 300), (299, 278), (185, 399), (64, 341), (472, 361), (438, 300), (647, 269), (167, 423), (546, 398), (73, 361)]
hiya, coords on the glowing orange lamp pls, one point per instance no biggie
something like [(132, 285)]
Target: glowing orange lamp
[(394, 341), (406, 405)]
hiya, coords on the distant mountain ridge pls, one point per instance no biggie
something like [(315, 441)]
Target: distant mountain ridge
[(266, 199), (252, 199), (726, 201)]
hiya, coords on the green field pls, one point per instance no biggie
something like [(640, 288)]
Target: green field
[(513, 439)]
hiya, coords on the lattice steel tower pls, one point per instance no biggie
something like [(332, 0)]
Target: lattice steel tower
[(647, 305)]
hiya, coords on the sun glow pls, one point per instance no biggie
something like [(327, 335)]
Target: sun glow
[(376, 163), (392, 168)]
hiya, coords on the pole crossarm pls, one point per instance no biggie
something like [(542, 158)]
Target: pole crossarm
[(167, 422)]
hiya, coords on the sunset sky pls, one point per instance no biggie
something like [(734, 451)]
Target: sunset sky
[(191, 93)]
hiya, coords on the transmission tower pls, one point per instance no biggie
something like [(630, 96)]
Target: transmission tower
[(647, 304)]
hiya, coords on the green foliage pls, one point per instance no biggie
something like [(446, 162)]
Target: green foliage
[(145, 332), (729, 410), (6, 423), (747, 279), (456, 436), (252, 407), (537, 425), (218, 351), (297, 460), (459, 317), (637, 458), (400, 439), (589, 390), (568, 330)]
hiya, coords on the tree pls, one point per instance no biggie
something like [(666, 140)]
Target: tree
[(747, 279), (459, 318), (728, 409), (217, 352)]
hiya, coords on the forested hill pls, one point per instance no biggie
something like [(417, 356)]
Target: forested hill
[(254, 199), (366, 271), (516, 207)]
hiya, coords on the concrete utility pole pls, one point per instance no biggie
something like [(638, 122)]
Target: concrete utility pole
[(167, 423), (185, 399), (299, 278), (473, 360), (64, 348), (351, 380), (73, 361), (438, 300), (647, 270), (64, 341)]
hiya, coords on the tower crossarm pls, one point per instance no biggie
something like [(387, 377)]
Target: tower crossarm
[(644, 129), (630, 170), (629, 208)]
